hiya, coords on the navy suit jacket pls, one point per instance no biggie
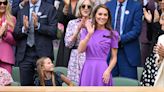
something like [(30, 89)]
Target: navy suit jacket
[(131, 29), (43, 36), (15, 7)]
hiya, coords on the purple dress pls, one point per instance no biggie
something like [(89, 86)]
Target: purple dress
[(97, 50)]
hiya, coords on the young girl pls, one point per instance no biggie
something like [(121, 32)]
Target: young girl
[(47, 76)]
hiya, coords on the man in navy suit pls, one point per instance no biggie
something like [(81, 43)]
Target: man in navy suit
[(35, 29), (128, 25)]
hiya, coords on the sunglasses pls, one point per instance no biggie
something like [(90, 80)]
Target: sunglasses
[(4, 3), (88, 6)]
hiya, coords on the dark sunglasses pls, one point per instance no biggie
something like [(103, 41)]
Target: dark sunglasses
[(88, 6), (4, 3)]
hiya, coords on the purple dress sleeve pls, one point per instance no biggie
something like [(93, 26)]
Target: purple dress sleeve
[(115, 38)]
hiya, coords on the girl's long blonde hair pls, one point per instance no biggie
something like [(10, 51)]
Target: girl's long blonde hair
[(40, 70)]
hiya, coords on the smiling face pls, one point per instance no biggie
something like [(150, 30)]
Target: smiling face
[(3, 5), (85, 8), (101, 17), (48, 65)]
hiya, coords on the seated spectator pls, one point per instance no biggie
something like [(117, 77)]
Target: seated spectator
[(5, 77), (47, 76)]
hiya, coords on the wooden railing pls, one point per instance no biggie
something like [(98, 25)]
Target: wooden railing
[(80, 89)]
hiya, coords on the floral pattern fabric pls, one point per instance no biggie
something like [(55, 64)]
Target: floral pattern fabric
[(76, 60), (5, 77)]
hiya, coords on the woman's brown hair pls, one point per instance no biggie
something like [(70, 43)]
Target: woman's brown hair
[(108, 24), (109, 21), (40, 70)]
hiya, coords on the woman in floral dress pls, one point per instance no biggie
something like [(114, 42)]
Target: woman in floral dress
[(84, 8)]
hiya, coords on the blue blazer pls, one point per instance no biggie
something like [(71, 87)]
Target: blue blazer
[(15, 7), (131, 29), (43, 36)]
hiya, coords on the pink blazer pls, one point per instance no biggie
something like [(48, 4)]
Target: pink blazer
[(6, 45)]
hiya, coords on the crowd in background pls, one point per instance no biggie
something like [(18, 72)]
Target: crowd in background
[(96, 40)]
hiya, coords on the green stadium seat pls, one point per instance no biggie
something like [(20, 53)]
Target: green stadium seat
[(122, 81), (16, 74), (139, 72)]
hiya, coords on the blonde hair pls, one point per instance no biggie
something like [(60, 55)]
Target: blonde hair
[(79, 3), (40, 69), (9, 16)]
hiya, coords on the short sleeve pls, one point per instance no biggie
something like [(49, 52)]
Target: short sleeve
[(58, 79), (115, 38), (83, 33)]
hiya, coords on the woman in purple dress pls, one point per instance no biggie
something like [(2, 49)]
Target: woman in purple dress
[(97, 40)]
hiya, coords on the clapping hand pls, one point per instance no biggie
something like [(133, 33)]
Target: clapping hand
[(90, 27), (82, 23), (25, 22), (35, 20), (162, 21), (147, 15), (156, 16), (159, 49), (3, 28)]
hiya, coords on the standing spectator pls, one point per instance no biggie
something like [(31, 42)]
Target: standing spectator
[(147, 29), (97, 40), (7, 24), (34, 35), (151, 67), (127, 20), (72, 39), (69, 11)]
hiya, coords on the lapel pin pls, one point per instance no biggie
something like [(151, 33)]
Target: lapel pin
[(39, 13), (127, 12)]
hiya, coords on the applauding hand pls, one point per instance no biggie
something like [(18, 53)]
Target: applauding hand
[(147, 15), (90, 27), (35, 20), (25, 22), (3, 28), (156, 16)]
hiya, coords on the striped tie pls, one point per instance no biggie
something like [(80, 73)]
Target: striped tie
[(31, 37), (118, 21)]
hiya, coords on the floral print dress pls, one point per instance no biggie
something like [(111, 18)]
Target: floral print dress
[(76, 60), (5, 77)]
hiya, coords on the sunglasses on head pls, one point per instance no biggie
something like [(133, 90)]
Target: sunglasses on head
[(4, 3), (88, 6)]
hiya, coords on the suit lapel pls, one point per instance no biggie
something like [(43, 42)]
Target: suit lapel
[(42, 8), (26, 10), (113, 11), (127, 12)]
